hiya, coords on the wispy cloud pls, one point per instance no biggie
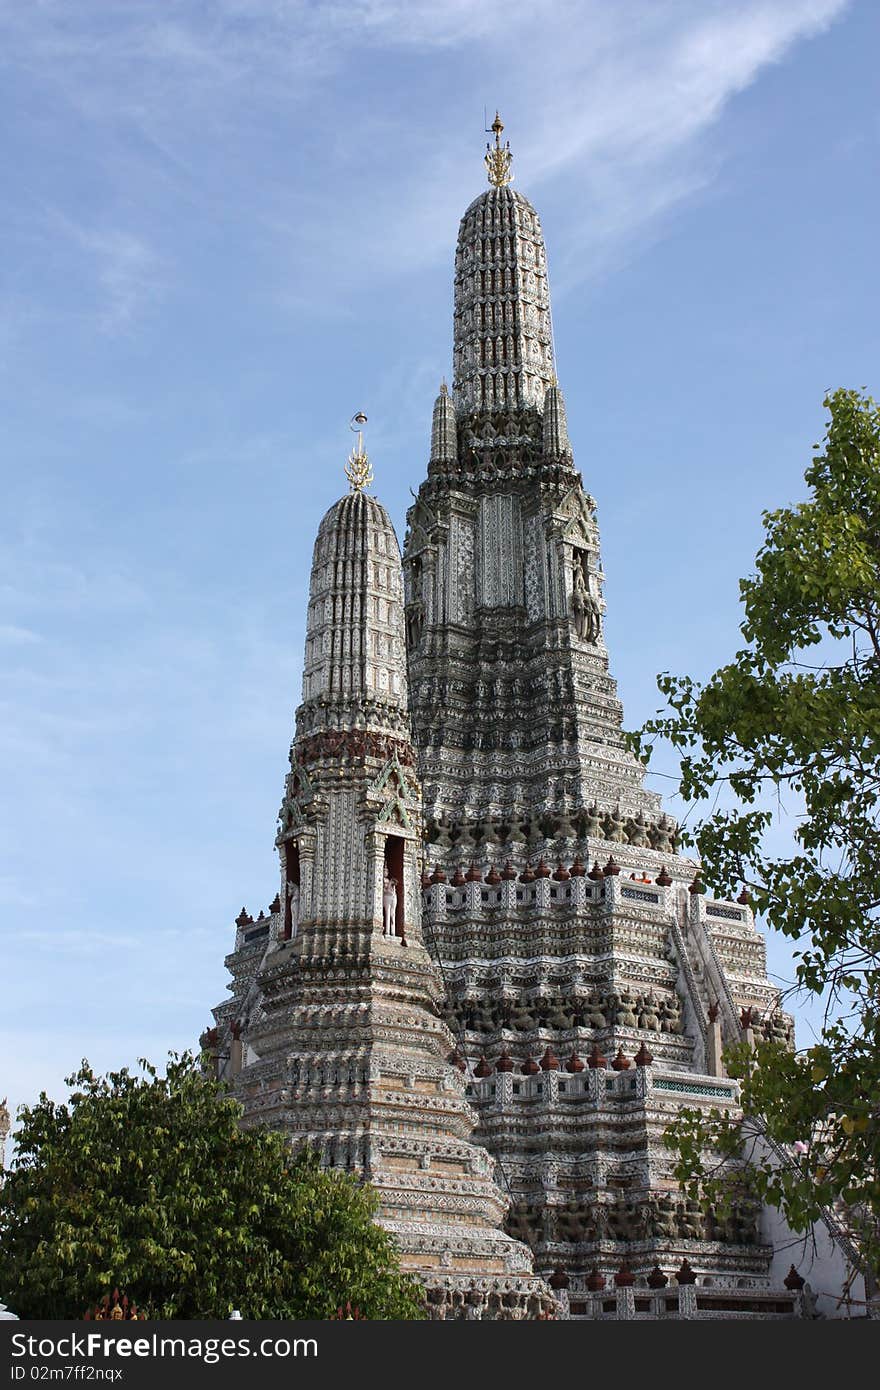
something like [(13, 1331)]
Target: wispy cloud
[(13, 894), (608, 108), (14, 636), (127, 274)]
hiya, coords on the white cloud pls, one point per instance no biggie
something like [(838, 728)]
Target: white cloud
[(15, 636), (608, 109), (127, 274), (31, 581), (13, 894)]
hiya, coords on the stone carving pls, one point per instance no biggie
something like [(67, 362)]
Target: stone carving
[(664, 835), (293, 898), (648, 1016), (290, 815), (584, 607), (415, 620), (525, 1221), (662, 1216), (596, 1016), (572, 1221), (354, 744), (598, 1009), (637, 830), (556, 822), (522, 1019), (389, 905), (558, 1015), (777, 1028), (626, 1015), (614, 827), (690, 1220), (670, 1015), (627, 1219), (738, 1226)]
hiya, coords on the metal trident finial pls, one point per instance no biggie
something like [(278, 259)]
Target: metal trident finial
[(358, 469), (497, 161)]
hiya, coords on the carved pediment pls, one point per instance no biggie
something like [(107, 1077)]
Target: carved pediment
[(290, 817), (300, 785), (575, 535), (297, 804), (394, 780), (395, 812), (420, 520), (416, 540), (397, 793), (578, 505)]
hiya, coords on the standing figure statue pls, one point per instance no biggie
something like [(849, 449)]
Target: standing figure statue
[(389, 905), (585, 608), (293, 899), (415, 620)]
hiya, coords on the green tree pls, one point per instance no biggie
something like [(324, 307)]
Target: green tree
[(796, 715), (150, 1184)]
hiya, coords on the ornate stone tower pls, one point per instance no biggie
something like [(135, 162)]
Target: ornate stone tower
[(591, 983), (333, 1032), (540, 904)]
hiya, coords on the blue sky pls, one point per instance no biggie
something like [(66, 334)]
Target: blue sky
[(227, 226)]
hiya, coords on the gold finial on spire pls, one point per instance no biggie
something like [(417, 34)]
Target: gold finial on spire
[(497, 161), (358, 469)]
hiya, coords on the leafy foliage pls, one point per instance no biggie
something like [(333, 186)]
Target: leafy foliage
[(148, 1183), (796, 714)]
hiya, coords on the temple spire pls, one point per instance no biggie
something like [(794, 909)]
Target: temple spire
[(502, 344), (498, 160), (556, 442), (444, 440)]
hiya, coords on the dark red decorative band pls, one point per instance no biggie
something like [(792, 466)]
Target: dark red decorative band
[(354, 745)]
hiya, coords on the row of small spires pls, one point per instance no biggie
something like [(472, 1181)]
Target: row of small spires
[(550, 1062), (625, 1278), (244, 918), (561, 874), (114, 1309), (120, 1308)]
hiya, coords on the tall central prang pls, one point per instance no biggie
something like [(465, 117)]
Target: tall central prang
[(514, 712), (590, 983)]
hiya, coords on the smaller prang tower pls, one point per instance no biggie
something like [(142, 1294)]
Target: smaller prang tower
[(333, 1033)]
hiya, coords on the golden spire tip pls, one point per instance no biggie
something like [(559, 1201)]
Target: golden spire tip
[(497, 160), (358, 469)]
